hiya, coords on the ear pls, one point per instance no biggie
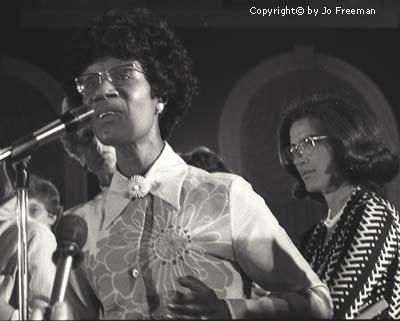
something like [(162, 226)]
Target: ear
[(52, 218), (163, 100), (159, 107)]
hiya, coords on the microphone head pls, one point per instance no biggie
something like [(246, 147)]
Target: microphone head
[(72, 228), (71, 234), (77, 118)]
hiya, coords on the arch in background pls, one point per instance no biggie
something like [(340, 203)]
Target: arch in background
[(251, 114), (43, 88)]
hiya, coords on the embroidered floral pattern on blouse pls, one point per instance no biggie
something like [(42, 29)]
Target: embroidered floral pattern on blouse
[(173, 243)]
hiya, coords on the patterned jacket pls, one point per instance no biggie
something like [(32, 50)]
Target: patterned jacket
[(211, 226), (360, 261)]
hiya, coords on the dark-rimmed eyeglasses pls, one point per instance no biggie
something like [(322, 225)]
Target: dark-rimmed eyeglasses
[(305, 147), (120, 75)]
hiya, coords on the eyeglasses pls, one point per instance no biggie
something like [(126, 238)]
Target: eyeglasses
[(118, 76), (304, 147)]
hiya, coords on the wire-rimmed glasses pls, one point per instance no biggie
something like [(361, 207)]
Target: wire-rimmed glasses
[(120, 75), (305, 147)]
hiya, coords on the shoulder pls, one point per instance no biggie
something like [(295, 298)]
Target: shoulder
[(227, 184), (225, 187), (376, 203), (197, 175), (374, 208), (41, 235), (35, 228), (85, 208)]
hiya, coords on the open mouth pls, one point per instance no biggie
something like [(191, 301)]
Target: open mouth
[(106, 114)]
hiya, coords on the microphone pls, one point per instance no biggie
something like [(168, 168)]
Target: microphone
[(71, 234), (70, 121)]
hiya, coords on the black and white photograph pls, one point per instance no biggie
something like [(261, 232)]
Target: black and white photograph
[(199, 159)]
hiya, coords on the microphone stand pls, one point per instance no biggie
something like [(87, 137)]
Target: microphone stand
[(22, 180), (19, 153)]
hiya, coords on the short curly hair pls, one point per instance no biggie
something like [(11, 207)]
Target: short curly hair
[(354, 135), (46, 192), (141, 36)]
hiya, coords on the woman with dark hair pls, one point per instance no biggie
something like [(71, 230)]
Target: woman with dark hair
[(336, 152), (173, 241)]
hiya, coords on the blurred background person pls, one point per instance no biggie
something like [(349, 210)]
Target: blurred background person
[(153, 251), (205, 158), (44, 201), (100, 160), (335, 151), (41, 245), (84, 147)]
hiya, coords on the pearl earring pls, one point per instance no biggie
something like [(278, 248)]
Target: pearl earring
[(159, 108)]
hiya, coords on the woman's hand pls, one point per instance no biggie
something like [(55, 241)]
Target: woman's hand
[(200, 303)]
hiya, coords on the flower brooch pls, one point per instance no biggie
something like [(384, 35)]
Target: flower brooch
[(138, 186)]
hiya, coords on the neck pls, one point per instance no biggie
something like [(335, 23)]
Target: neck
[(337, 198), (137, 158), (104, 179)]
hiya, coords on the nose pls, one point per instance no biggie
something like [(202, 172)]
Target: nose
[(300, 159), (105, 90)]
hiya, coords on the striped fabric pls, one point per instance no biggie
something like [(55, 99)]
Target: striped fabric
[(41, 245), (360, 262)]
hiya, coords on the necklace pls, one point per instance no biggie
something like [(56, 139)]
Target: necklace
[(330, 222)]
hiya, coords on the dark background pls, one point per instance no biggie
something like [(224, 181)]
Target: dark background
[(225, 42)]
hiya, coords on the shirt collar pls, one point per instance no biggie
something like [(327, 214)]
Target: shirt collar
[(165, 177)]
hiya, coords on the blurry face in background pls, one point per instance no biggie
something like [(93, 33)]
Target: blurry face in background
[(318, 169), (100, 159), (38, 211)]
